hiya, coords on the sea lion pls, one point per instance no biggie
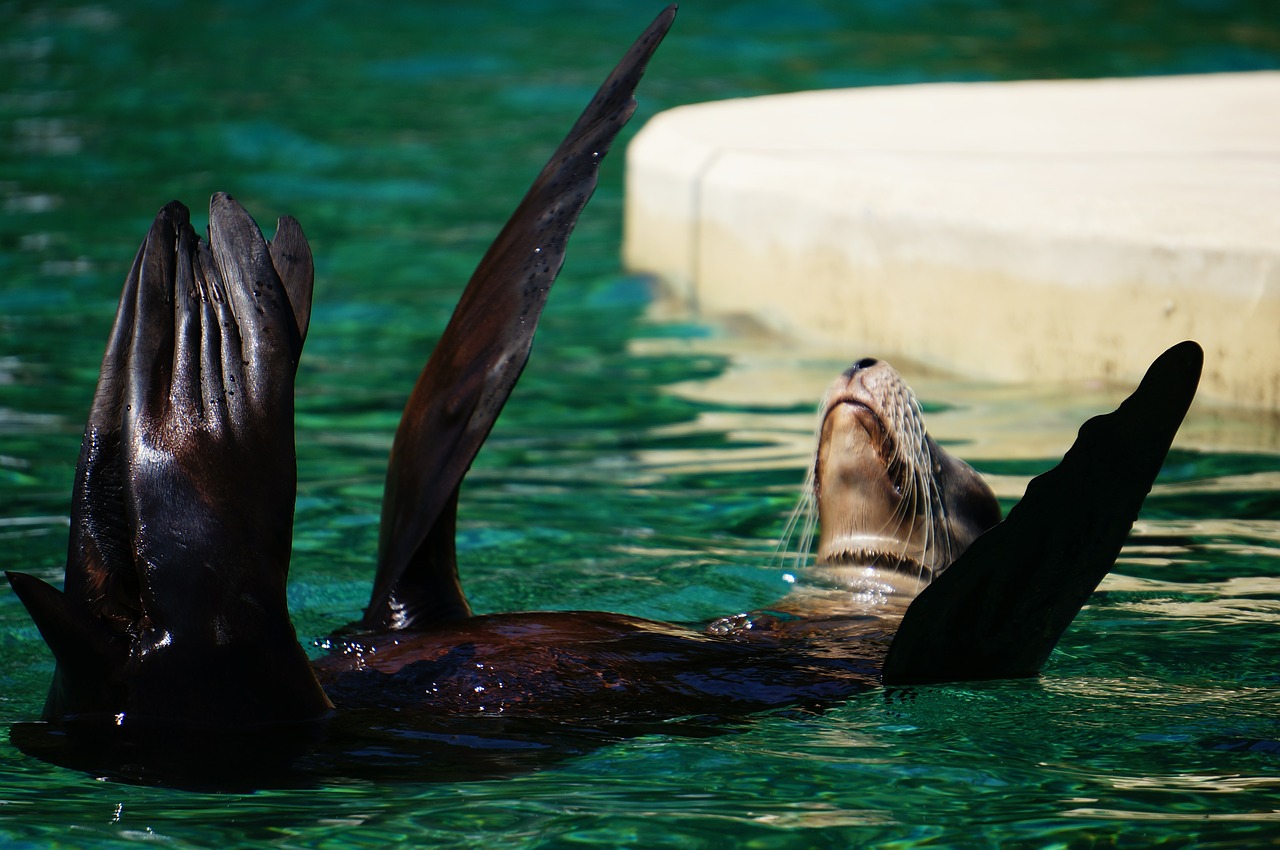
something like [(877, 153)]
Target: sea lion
[(899, 514), (173, 613), (895, 509)]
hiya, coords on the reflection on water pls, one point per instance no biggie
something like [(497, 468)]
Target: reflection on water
[(647, 463)]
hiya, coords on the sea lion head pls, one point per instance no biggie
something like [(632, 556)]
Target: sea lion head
[(889, 497)]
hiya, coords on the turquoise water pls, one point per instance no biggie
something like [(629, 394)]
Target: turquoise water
[(645, 465)]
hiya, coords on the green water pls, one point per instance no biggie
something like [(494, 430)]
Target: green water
[(645, 465)]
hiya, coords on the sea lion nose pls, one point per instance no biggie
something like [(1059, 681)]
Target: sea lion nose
[(858, 366)]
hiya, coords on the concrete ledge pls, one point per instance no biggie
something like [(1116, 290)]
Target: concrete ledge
[(1015, 231)]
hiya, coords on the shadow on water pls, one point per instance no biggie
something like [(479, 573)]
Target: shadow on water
[(360, 745)]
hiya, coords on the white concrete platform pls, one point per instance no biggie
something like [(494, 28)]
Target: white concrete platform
[(1025, 231)]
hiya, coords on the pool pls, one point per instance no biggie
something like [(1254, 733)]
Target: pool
[(648, 462)]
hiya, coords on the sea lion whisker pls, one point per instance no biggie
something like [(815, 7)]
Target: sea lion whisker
[(807, 532), (800, 524)]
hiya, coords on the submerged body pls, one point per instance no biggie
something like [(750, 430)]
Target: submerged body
[(588, 666)]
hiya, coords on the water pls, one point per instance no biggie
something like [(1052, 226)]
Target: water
[(648, 461)]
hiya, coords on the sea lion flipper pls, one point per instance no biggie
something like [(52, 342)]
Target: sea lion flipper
[(291, 255), (174, 606), (100, 572), (89, 657), (999, 610), (218, 445), (262, 303), (478, 359)]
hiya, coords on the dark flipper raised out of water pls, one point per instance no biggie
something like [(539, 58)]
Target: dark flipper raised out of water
[(172, 624), (477, 361), (1000, 608)]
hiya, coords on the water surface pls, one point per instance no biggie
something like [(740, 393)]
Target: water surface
[(647, 462)]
